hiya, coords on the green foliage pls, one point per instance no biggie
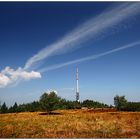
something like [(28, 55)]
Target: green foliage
[(62, 104), (49, 101), (22, 108), (35, 106), (72, 105), (31, 107), (4, 108), (0, 107), (77, 105), (93, 104), (120, 102), (13, 108), (132, 106)]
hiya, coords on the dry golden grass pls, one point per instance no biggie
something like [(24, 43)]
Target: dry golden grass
[(71, 124)]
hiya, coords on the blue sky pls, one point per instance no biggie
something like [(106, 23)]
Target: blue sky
[(41, 44)]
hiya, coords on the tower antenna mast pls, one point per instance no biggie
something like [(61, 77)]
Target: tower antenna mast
[(77, 85)]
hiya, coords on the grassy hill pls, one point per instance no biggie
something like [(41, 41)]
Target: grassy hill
[(81, 123)]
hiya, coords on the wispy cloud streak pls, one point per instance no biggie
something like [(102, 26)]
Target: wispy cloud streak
[(93, 57), (90, 29)]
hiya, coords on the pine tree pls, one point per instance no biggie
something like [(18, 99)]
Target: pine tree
[(4, 108), (15, 107)]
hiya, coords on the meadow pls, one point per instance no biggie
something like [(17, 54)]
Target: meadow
[(81, 123)]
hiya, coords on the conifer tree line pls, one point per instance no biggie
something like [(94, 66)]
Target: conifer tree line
[(51, 101), (123, 105)]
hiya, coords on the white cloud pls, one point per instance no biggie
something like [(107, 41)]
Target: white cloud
[(90, 29), (4, 80), (10, 76), (92, 57)]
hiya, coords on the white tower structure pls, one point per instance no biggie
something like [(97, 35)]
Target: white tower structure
[(77, 85)]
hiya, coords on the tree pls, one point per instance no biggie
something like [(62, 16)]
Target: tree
[(93, 104), (0, 105), (120, 102), (62, 104), (15, 107), (70, 105), (77, 105), (22, 108), (133, 106), (49, 101), (88, 103), (10, 110), (4, 108), (35, 106)]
